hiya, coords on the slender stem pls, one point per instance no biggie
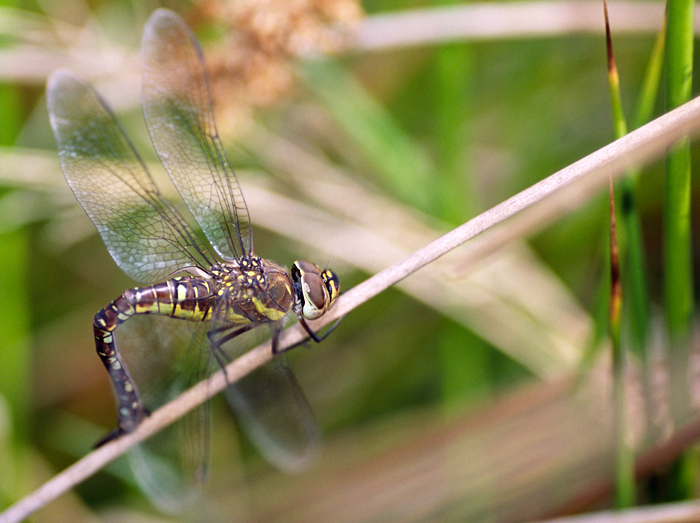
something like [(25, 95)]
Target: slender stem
[(625, 488), (499, 20), (677, 246)]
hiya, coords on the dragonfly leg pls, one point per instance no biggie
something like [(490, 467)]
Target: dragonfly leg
[(217, 343), (237, 331), (312, 334)]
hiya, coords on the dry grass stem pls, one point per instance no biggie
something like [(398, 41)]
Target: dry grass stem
[(688, 512), (35, 54), (544, 330), (497, 21)]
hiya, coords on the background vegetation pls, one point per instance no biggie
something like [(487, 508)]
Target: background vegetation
[(464, 393)]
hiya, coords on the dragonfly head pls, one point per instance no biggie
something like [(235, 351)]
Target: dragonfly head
[(316, 290)]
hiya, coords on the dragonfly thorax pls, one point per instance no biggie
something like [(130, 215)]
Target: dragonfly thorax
[(315, 290), (247, 272), (252, 290)]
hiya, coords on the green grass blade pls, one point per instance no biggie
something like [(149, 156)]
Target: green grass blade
[(466, 361), (625, 491), (454, 72), (678, 278), (634, 276), (405, 170), (625, 487), (677, 239), (15, 353), (652, 80)]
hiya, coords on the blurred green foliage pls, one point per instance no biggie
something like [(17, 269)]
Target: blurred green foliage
[(445, 130)]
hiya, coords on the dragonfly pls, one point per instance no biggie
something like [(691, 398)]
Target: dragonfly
[(219, 282)]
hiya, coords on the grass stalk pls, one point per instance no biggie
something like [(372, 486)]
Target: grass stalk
[(678, 277), (15, 352), (677, 247), (625, 491), (625, 488)]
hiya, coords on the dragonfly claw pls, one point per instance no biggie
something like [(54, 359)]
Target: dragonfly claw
[(120, 431), (109, 437)]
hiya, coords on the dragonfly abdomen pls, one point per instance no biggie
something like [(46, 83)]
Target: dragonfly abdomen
[(183, 297)]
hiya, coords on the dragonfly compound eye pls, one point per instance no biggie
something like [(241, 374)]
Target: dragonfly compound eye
[(315, 293), (315, 296)]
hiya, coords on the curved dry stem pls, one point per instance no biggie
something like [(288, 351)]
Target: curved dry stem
[(494, 21), (34, 56), (686, 512), (558, 194)]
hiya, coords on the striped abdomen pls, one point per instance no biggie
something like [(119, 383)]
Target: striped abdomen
[(262, 293), (182, 297)]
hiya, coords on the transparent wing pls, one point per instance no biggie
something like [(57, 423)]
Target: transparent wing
[(178, 111), (146, 237), (166, 357), (269, 404), (277, 417)]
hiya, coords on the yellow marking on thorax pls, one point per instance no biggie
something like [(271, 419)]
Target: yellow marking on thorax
[(236, 318), (272, 314)]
